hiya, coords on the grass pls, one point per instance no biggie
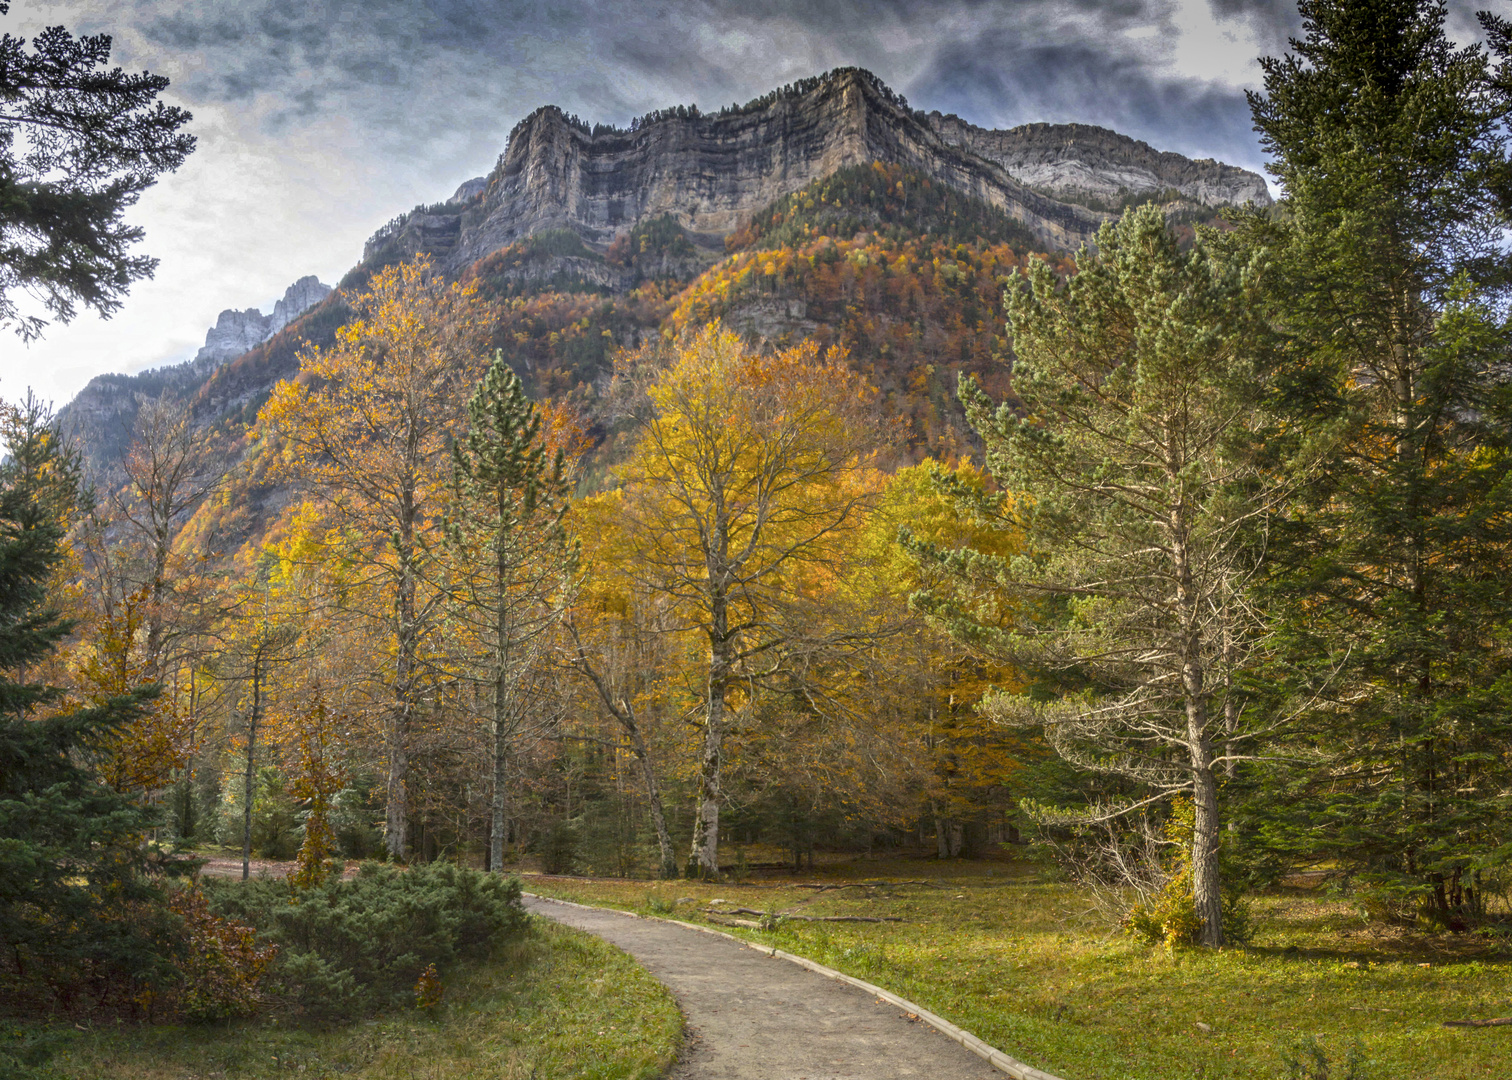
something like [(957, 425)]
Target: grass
[(560, 1004), (1022, 963)]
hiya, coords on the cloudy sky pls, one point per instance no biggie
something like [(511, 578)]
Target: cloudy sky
[(318, 120)]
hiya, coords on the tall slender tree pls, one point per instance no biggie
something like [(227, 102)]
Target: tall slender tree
[(512, 563), (366, 428), (744, 475)]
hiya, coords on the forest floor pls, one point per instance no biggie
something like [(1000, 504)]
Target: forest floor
[(1034, 968), (558, 1005)]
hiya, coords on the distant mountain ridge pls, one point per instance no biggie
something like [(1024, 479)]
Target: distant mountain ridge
[(101, 415), (711, 171)]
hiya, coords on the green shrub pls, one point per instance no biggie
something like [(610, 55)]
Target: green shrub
[(25, 1051), (559, 848), (1170, 917), (349, 947)]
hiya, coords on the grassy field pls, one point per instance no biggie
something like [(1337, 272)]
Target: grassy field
[(1022, 963), (560, 1005)]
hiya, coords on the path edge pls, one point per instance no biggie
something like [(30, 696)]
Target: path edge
[(991, 1054)]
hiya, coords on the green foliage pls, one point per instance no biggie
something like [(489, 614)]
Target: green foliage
[(80, 921), (559, 847), (1304, 1058), (26, 1051), (656, 248), (79, 143), (1168, 918), (275, 816), (347, 948), (885, 198), (1388, 575)]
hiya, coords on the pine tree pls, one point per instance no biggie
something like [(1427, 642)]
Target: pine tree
[(72, 860), (1393, 575), (1126, 465), (79, 143), (512, 561)]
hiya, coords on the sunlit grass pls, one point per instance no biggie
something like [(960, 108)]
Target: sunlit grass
[(1022, 963), (559, 1005)]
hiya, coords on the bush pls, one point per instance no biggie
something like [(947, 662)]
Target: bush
[(1169, 916), (219, 962), (347, 948), (559, 848)]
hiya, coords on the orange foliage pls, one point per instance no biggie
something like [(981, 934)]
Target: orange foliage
[(144, 755)]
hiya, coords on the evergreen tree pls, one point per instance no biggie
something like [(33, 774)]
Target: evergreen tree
[(79, 143), (1393, 575), (1127, 466), (72, 859), (513, 562)]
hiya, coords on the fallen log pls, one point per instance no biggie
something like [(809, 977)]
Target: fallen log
[(778, 915), (1504, 1021)]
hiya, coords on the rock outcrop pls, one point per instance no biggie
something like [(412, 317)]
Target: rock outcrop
[(712, 172), (1095, 166), (235, 332), (102, 415), (297, 299)]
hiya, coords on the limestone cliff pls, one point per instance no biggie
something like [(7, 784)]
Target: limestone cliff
[(1085, 164), (711, 172)]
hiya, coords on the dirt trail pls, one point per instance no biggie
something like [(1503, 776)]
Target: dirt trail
[(755, 1017)]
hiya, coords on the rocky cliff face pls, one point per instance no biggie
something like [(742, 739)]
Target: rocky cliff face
[(712, 172), (235, 332), (102, 415), (297, 299), (1085, 164)]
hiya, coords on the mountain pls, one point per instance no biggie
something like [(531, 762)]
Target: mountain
[(711, 172), (829, 209), (1102, 169), (101, 416)]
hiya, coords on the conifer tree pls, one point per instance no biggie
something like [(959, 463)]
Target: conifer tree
[(1136, 382), (71, 854), (512, 561), (1393, 574)]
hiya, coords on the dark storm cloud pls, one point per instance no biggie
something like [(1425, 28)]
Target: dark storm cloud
[(1003, 82), (1274, 20)]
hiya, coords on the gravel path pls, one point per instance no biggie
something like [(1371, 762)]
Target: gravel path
[(756, 1017)]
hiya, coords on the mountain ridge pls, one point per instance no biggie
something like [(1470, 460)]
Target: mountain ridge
[(564, 198)]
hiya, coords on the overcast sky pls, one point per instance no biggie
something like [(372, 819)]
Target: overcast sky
[(318, 120)]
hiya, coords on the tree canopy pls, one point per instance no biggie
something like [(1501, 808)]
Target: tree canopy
[(79, 143)]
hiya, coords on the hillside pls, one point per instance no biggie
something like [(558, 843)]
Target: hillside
[(829, 208)]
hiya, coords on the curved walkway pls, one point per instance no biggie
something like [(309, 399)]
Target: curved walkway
[(753, 1015)]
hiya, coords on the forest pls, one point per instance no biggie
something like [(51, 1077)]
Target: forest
[(1178, 568)]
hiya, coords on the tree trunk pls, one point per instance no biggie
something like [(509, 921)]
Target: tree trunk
[(1207, 895), (703, 860), (500, 789), (253, 716), (396, 816), (668, 868)]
